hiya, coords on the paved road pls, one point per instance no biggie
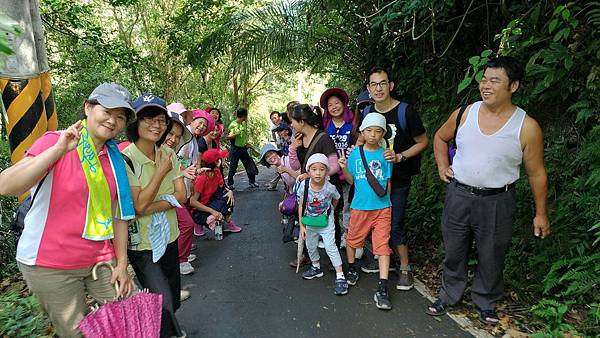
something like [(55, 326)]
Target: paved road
[(243, 287)]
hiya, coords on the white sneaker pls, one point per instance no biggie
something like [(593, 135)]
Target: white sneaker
[(184, 294), (191, 258), (321, 245), (359, 253), (186, 268)]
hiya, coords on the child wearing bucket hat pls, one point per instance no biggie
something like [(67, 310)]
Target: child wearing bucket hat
[(371, 210), (317, 198), (211, 201)]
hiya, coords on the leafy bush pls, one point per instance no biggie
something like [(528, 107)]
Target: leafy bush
[(20, 314)]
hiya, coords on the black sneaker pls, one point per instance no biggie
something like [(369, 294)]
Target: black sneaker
[(312, 272), (373, 267), (252, 185), (382, 300), (340, 287), (352, 277)]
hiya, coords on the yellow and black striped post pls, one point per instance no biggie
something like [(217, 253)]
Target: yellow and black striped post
[(48, 97), (24, 103)]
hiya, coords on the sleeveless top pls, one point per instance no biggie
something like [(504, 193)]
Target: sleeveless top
[(488, 161)]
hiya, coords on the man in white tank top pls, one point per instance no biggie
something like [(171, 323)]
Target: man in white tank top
[(493, 138)]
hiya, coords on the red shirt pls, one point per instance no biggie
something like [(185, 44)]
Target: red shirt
[(207, 185)]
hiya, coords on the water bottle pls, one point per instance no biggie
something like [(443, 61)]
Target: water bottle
[(218, 231)]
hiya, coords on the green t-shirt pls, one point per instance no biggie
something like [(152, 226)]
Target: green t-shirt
[(144, 170), (241, 130)]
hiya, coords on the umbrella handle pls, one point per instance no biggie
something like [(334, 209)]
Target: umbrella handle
[(107, 264)]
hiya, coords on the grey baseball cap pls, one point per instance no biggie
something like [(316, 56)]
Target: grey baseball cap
[(263, 152), (112, 95)]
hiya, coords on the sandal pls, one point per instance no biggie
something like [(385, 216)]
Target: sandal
[(438, 308), (488, 317)]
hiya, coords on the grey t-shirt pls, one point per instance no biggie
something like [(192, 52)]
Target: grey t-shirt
[(318, 202)]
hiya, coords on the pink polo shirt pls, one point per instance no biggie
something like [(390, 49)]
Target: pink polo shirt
[(54, 224)]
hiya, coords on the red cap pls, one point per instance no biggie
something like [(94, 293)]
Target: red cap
[(212, 155)]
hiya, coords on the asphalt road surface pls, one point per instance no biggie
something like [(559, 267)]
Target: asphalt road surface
[(243, 287)]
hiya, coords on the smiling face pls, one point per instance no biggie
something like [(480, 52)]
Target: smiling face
[(199, 126), (272, 158), (380, 86), (317, 172), (152, 128), (104, 123), (174, 136), (215, 114), (494, 87), (335, 106)]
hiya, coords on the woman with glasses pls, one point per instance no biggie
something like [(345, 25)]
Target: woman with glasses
[(157, 189)]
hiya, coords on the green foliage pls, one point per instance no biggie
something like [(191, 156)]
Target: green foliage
[(7, 25), (8, 205), (20, 314)]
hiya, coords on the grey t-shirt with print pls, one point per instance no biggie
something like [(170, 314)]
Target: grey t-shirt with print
[(318, 202)]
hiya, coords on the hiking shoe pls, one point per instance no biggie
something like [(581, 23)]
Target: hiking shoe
[(373, 267), (231, 227), (382, 300), (405, 280), (271, 186), (358, 253), (199, 230), (186, 268), (312, 272), (352, 277), (191, 258), (253, 185), (340, 287)]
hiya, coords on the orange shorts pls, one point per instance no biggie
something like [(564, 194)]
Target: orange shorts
[(364, 221)]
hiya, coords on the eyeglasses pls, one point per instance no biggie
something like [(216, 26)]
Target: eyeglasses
[(154, 120), (383, 84)]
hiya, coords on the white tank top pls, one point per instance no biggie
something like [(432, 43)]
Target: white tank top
[(488, 161)]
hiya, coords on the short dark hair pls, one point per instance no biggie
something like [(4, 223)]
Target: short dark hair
[(274, 112), (132, 129), (378, 69), (241, 112), (285, 118), (513, 68)]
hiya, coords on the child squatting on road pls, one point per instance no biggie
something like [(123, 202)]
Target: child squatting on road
[(370, 211), (316, 218)]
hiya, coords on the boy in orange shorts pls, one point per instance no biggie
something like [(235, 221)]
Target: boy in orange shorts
[(370, 211)]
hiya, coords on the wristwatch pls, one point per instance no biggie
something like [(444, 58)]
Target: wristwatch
[(402, 158)]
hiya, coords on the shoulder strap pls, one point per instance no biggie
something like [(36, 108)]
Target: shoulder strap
[(458, 118), (366, 111), (379, 190), (128, 161), (305, 197), (312, 146), (38, 188), (401, 111)]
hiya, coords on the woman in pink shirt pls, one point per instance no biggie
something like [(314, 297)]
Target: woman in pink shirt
[(54, 257)]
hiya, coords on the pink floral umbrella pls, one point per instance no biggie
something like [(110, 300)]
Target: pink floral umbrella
[(136, 316)]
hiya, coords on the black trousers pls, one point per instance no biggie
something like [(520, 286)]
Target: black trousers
[(236, 154), (487, 220), (161, 277)]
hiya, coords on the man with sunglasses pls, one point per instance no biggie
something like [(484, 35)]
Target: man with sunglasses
[(408, 140)]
